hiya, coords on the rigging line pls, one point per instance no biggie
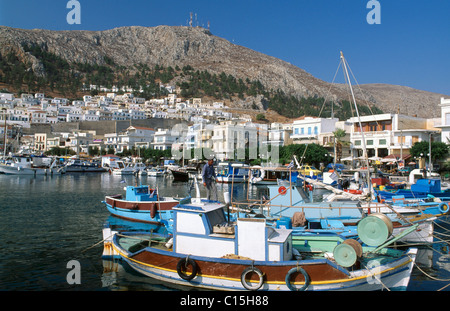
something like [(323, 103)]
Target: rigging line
[(443, 287), (446, 222), (365, 99), (440, 234), (359, 122), (429, 276), (334, 78), (376, 277)]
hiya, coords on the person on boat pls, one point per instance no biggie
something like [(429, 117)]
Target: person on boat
[(209, 180)]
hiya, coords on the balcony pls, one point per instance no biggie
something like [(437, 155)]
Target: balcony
[(375, 134)]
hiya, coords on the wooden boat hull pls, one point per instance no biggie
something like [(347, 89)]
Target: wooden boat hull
[(227, 273), (180, 176), (143, 211)]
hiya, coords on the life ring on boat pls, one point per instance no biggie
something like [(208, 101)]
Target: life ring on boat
[(249, 270), (282, 190), (183, 263), (443, 208), (293, 271), (261, 177)]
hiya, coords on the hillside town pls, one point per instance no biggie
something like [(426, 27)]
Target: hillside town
[(388, 137)]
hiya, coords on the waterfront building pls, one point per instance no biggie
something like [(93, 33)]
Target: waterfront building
[(389, 134), (307, 130), (280, 134), (133, 136), (162, 139), (445, 120), (232, 138)]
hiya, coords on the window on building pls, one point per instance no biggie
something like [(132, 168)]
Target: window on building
[(447, 119), (357, 143), (370, 142), (382, 141)]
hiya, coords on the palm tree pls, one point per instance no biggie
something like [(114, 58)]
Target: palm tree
[(339, 135)]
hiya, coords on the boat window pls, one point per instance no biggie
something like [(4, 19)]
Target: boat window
[(142, 190), (216, 217)]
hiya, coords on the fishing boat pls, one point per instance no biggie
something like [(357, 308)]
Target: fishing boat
[(208, 252), (267, 175), (77, 165), (340, 216), (422, 188), (138, 168), (180, 174), (120, 168), (228, 172), (31, 165), (142, 204), (156, 172)]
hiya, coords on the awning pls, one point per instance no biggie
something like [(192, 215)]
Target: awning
[(347, 159)]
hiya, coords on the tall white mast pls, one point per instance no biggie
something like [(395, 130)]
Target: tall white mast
[(359, 121)]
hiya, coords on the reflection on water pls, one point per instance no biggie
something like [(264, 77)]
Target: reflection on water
[(47, 221)]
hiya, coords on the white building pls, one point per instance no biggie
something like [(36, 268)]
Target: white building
[(280, 134), (387, 134), (232, 138), (445, 120), (163, 139), (309, 129), (133, 136)]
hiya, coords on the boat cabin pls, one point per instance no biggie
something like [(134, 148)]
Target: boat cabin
[(141, 193), (427, 185), (202, 229)]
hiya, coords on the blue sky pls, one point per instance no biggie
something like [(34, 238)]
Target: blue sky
[(410, 47)]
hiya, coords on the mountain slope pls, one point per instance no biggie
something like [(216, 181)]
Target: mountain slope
[(197, 47)]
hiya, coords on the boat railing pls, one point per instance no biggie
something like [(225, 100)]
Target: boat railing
[(266, 205)]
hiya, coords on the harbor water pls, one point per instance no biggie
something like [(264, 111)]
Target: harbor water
[(48, 222)]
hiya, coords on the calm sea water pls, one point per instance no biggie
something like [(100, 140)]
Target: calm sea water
[(48, 221)]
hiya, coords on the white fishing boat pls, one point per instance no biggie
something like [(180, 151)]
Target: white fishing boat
[(139, 168), (208, 252), (119, 168), (29, 165), (156, 172)]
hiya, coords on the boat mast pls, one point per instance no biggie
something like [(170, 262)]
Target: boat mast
[(359, 121)]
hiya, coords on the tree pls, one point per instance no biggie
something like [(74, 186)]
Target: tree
[(260, 117), (438, 150), (339, 134), (314, 154)]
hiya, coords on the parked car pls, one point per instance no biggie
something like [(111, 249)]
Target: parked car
[(307, 169)]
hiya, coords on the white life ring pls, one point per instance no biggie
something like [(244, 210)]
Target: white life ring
[(261, 177)]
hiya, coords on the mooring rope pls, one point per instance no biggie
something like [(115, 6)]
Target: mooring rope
[(97, 243), (429, 276)]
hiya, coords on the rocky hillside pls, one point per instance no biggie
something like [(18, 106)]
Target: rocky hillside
[(197, 47)]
